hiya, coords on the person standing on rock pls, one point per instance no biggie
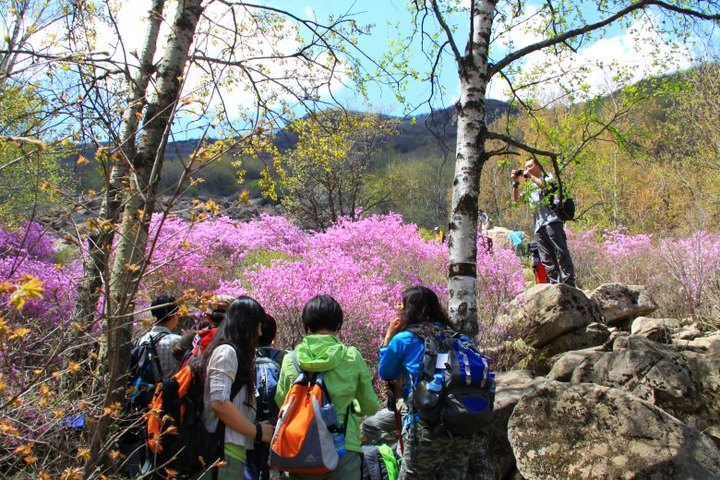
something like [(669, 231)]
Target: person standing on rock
[(549, 229)]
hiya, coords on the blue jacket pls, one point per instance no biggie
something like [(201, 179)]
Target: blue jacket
[(402, 357)]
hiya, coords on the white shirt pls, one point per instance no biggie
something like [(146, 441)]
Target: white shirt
[(221, 370), (543, 214), (164, 348)]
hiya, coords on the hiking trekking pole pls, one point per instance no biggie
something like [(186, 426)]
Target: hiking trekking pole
[(392, 406)]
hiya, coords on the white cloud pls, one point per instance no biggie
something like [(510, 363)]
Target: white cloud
[(599, 68), (259, 49)]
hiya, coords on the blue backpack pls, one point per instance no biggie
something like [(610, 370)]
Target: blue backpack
[(267, 374), (456, 390)]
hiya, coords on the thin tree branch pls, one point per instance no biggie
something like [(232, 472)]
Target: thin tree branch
[(507, 60)]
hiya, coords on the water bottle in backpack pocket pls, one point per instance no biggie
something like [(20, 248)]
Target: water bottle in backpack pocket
[(329, 415), (304, 442), (427, 397), (465, 400)]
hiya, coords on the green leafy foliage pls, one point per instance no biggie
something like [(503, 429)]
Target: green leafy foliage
[(30, 176)]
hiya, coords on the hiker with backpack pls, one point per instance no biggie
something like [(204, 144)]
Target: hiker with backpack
[(324, 385), (229, 365), (267, 373), (151, 358), (439, 430), (549, 227), (193, 344)]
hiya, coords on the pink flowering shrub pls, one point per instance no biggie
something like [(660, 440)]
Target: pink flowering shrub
[(681, 274), (29, 251), (365, 265), (499, 280), (692, 266), (200, 254)]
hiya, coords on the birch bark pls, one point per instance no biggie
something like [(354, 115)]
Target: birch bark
[(139, 202), (99, 244), (469, 158)]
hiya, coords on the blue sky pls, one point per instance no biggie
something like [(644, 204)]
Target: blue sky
[(627, 47)]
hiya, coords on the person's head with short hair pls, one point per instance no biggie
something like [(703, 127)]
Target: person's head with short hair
[(533, 167), (217, 306), (322, 313), (268, 330), (164, 308), (421, 305)]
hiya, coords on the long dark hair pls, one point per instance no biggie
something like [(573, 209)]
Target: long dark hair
[(422, 306), (239, 329)]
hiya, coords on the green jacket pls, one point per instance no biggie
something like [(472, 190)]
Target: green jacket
[(347, 378)]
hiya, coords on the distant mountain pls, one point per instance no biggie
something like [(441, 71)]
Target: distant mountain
[(418, 132), (415, 134)]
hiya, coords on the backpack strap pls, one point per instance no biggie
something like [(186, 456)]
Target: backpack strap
[(430, 353), (154, 351), (234, 390), (318, 378), (277, 355)]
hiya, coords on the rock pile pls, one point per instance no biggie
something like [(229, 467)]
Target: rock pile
[(616, 394)]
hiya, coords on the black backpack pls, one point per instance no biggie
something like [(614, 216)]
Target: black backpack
[(145, 371), (177, 439), (565, 210), (464, 403), (378, 463)]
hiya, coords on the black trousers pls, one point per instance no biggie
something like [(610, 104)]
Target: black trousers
[(554, 253)]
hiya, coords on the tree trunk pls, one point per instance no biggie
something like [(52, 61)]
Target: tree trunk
[(130, 258), (469, 157), (96, 262)]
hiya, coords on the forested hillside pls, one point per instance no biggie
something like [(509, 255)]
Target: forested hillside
[(655, 169)]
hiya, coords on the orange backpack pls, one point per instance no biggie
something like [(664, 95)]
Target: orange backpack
[(308, 437), (176, 436)]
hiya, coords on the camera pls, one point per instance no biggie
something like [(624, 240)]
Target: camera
[(520, 173)]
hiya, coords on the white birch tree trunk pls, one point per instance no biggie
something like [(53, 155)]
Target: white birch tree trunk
[(129, 261), (469, 158), (97, 261)]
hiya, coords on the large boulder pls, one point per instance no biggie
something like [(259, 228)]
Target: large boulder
[(546, 311), (511, 386), (500, 237), (589, 336), (564, 365), (684, 383), (563, 431), (621, 303)]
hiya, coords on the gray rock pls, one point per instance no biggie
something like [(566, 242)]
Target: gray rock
[(591, 335), (500, 237), (689, 332), (683, 383), (511, 386), (621, 303), (589, 431), (545, 312), (565, 364), (710, 344), (656, 329)]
